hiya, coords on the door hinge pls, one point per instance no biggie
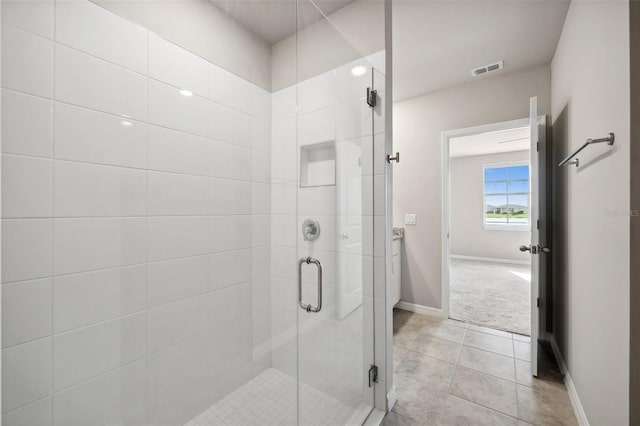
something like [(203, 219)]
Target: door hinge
[(538, 224), (538, 302), (538, 146), (372, 97), (396, 158), (373, 375)]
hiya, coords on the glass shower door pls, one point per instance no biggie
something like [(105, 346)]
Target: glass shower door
[(334, 225)]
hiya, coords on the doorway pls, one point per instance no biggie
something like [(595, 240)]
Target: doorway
[(488, 192), (513, 195)]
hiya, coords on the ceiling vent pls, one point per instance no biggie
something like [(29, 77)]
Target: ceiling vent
[(487, 68)]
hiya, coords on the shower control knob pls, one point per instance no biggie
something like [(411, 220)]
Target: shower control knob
[(310, 230)]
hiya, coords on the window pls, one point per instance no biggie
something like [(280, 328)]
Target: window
[(506, 195)]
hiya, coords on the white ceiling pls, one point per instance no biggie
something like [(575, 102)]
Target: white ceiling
[(491, 143), (274, 20), (436, 43)]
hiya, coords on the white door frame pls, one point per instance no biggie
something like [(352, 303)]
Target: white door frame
[(446, 194)]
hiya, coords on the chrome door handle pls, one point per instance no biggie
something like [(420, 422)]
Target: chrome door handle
[(308, 307), (535, 249)]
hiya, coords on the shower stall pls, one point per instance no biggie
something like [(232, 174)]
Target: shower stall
[(193, 213)]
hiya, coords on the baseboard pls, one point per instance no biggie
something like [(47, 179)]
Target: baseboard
[(571, 389), (392, 398), (490, 259), (421, 309)]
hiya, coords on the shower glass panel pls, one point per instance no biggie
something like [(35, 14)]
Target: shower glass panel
[(335, 188), (159, 159)]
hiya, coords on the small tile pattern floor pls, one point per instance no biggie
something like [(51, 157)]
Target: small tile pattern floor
[(447, 372), (270, 399), (491, 294)]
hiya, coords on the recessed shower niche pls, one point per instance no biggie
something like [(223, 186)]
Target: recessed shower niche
[(318, 164)]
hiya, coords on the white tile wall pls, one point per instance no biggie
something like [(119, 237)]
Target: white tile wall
[(172, 323), (26, 373), (37, 413), (26, 62), (32, 198), (94, 83), (173, 194), (26, 249), (191, 272), (91, 136), (173, 237), (26, 311), (32, 16), (173, 151), (176, 66), (103, 398), (94, 30), (227, 89), (128, 214), (88, 298), (19, 134), (149, 238), (87, 352), (89, 190), (87, 244), (180, 363)]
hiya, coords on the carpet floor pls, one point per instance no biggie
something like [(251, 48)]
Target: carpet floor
[(495, 295)]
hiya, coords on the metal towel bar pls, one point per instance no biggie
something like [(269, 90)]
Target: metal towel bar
[(609, 140)]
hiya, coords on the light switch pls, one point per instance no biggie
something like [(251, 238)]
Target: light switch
[(410, 219)]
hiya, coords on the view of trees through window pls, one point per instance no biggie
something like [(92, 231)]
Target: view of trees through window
[(506, 195)]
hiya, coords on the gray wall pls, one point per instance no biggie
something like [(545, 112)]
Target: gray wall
[(590, 97), (205, 30), (418, 126), (467, 234), (634, 383)]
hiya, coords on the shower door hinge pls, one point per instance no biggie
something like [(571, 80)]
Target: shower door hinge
[(373, 375), (538, 302), (538, 224), (372, 97)]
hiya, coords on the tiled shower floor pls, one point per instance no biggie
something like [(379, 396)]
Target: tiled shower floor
[(269, 399)]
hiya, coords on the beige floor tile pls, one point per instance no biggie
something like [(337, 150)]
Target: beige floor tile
[(490, 391), (418, 402), (545, 404), (445, 350), (489, 342), (523, 373), (487, 362), (407, 336), (488, 330), (522, 350), (393, 419), (521, 338), (402, 318), (451, 321), (460, 412), (425, 369), (399, 354), (444, 330)]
